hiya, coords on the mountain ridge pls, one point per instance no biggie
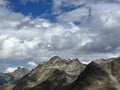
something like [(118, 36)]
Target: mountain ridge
[(62, 74), (9, 78), (70, 67)]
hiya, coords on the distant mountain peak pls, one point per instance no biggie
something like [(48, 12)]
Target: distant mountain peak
[(8, 78)]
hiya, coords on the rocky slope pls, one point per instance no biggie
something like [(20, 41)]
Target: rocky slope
[(61, 74), (8, 78), (100, 75), (51, 75)]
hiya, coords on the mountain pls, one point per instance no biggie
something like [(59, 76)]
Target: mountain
[(8, 78), (100, 75), (61, 74), (55, 73)]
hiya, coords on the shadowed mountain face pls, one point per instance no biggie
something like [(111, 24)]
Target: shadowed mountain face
[(8, 78), (51, 75), (61, 74), (100, 75)]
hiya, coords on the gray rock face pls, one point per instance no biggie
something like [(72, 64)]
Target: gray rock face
[(19, 73), (8, 78), (61, 74), (51, 75), (100, 75)]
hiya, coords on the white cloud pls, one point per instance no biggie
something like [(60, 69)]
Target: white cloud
[(86, 62), (25, 38), (102, 21), (3, 2), (10, 69), (76, 15), (15, 48), (22, 37), (114, 56), (59, 5), (32, 64), (40, 41)]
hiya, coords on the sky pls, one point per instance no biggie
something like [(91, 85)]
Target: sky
[(32, 31)]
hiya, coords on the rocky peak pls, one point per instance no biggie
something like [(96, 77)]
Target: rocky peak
[(8, 78), (61, 74), (57, 60), (100, 75), (68, 69), (19, 73)]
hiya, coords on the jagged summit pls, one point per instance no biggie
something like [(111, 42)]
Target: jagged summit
[(55, 58), (45, 73), (19, 73), (100, 75), (62, 74), (8, 78)]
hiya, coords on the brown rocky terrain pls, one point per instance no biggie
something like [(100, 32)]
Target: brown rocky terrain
[(55, 73), (61, 74), (100, 75)]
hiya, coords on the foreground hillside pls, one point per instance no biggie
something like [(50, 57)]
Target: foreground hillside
[(100, 75), (61, 74)]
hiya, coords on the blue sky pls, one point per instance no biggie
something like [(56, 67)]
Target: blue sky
[(32, 31), (35, 9)]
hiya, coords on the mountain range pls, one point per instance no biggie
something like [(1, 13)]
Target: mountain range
[(62, 74), (10, 78)]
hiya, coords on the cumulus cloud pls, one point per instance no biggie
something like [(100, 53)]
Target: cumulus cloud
[(3, 2), (10, 69), (101, 20), (77, 15), (60, 5), (97, 35), (31, 64), (43, 39), (22, 37), (105, 24)]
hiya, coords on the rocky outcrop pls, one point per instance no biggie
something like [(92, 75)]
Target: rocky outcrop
[(100, 75), (61, 74), (51, 75), (8, 78)]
